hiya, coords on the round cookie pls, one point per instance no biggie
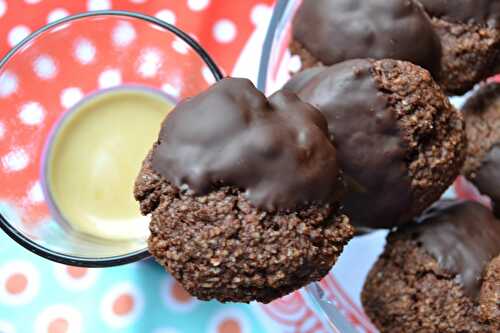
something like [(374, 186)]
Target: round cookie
[(243, 194), (438, 274), (326, 32), (399, 141), (482, 164), (469, 31)]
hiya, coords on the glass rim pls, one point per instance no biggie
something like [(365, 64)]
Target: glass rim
[(265, 57), (130, 257)]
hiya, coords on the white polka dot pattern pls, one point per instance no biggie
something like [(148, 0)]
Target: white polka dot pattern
[(123, 34), (261, 14), (149, 63), (84, 51), (8, 84), (224, 31), (71, 96), (180, 46), (166, 15), (3, 7), (45, 67), (110, 78), (16, 160), (171, 90), (98, 4), (35, 193), (198, 5), (57, 14), (17, 34), (32, 113)]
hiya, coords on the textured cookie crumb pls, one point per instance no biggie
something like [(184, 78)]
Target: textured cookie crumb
[(407, 291), (219, 246), (490, 295), (482, 116), (469, 54), (438, 273), (431, 127)]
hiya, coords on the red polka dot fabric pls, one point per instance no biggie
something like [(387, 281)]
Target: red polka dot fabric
[(222, 27)]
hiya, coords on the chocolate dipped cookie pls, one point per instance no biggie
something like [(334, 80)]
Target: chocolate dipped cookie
[(399, 141), (438, 274), (243, 193), (469, 31), (326, 32)]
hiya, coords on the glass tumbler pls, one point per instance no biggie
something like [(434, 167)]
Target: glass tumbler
[(48, 73)]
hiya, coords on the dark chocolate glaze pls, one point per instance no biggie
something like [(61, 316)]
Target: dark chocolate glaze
[(277, 150), (487, 178), (303, 78), (338, 30), (462, 236), (481, 12), (370, 148)]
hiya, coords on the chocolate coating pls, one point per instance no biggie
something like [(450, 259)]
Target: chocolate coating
[(299, 81), (369, 145), (409, 289), (336, 30), (462, 237), (277, 151), (487, 178), (399, 141), (482, 167), (481, 12)]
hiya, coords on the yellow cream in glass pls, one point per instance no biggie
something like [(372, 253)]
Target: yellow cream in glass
[(95, 157)]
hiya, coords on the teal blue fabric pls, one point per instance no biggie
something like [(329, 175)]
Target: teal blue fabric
[(146, 276)]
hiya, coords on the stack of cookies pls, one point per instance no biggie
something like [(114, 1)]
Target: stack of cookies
[(252, 197)]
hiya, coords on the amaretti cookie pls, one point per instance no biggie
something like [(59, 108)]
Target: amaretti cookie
[(399, 141), (243, 194), (438, 274), (482, 165), (469, 31), (326, 32)]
